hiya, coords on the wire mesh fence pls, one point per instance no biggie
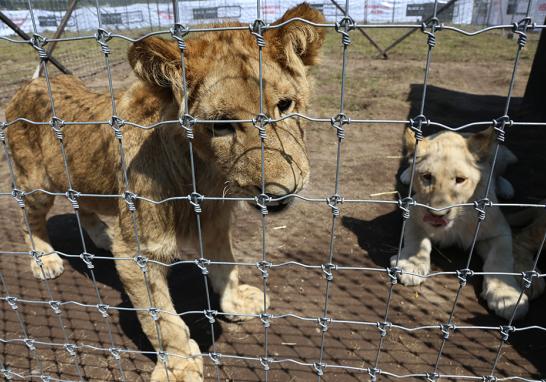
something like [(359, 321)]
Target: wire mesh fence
[(342, 123)]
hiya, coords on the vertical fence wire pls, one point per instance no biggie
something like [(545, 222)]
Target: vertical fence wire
[(186, 121), (102, 37), (38, 42), (343, 27)]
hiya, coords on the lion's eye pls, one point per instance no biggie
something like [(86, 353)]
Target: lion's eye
[(460, 179), (284, 105), (222, 129), (427, 177)]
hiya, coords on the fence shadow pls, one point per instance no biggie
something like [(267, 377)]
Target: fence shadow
[(185, 284)]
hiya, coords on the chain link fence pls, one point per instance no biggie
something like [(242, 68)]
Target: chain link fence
[(342, 123)]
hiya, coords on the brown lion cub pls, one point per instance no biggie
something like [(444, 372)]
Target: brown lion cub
[(453, 169), (222, 73)]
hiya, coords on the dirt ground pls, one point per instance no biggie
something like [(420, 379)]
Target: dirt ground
[(464, 88)]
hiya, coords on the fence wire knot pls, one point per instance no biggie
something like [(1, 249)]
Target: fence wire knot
[(117, 123), (29, 342), (142, 262), (260, 122), (45, 378), (195, 199), (404, 205), (19, 197), (480, 205), (393, 274), (338, 122), (446, 330), (3, 127), (87, 258), (266, 319), (432, 377), (324, 323), (319, 368), (215, 358), (261, 201), (38, 42), (103, 36), (505, 331), (527, 278), (162, 356), (187, 122), (202, 264), (434, 25), (103, 310), (178, 32), (499, 124), (373, 372), (72, 197), (463, 275), (264, 266), (257, 28), (384, 328), (333, 202), (210, 314), (130, 198), (344, 26), (520, 28), (55, 306), (154, 312), (327, 270), (37, 256), (57, 126), (71, 349), (12, 301), (7, 374), (416, 125), (489, 378), (264, 361), (115, 353)]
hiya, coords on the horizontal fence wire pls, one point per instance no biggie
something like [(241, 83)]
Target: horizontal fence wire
[(342, 126)]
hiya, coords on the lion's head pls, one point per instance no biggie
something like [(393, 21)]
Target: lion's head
[(222, 71), (450, 169)]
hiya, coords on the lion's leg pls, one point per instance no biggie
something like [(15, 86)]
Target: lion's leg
[(234, 297), (97, 230), (501, 291), (174, 334), (37, 207), (414, 257)]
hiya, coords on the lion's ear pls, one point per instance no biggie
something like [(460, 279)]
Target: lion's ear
[(297, 40), (480, 144), (156, 61)]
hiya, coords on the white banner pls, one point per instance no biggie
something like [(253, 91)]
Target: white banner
[(160, 16)]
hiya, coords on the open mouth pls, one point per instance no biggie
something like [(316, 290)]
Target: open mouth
[(275, 206), (435, 220)]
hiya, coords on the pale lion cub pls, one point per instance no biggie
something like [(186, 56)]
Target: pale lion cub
[(222, 73), (453, 169)]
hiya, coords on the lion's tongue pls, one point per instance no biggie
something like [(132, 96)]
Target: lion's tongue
[(436, 221)]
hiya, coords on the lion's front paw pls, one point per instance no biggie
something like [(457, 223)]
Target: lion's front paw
[(244, 299), (52, 266), (180, 370), (502, 299), (415, 267)]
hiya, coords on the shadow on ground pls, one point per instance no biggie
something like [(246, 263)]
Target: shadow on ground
[(185, 283), (455, 109)]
